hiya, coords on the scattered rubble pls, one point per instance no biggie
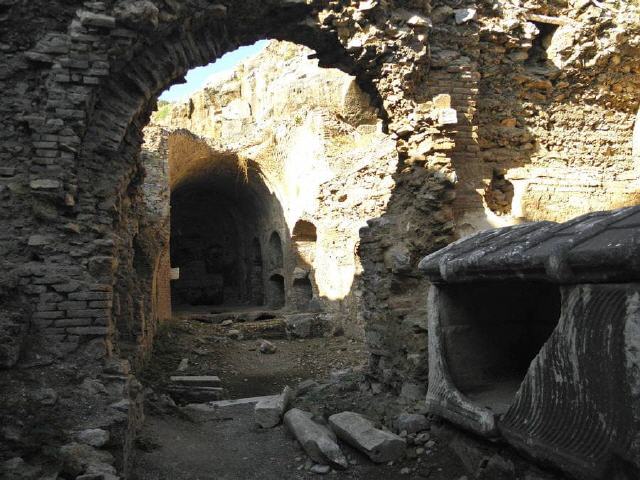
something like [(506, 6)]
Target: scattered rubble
[(411, 423), (265, 346), (95, 437), (317, 440)]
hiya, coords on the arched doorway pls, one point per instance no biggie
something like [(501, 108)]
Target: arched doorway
[(276, 256), (276, 291)]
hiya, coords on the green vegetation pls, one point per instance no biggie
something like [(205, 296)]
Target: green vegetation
[(164, 108)]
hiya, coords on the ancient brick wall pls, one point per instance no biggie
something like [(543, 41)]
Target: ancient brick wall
[(79, 81)]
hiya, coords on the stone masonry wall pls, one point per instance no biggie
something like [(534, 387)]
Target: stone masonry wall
[(316, 139), (80, 80)]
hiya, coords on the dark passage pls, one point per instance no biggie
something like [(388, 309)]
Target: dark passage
[(222, 226), (492, 333)]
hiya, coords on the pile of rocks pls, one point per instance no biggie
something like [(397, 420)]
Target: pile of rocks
[(320, 437)]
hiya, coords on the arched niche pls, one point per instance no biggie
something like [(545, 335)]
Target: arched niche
[(276, 257), (255, 273), (304, 237), (301, 293), (276, 291), (304, 231)]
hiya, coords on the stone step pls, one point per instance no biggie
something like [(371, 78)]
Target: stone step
[(235, 317), (189, 394), (196, 380)]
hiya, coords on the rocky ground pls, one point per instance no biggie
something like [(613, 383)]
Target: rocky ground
[(215, 349), (221, 440)]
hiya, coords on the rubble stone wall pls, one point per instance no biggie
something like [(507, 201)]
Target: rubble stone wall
[(80, 80)]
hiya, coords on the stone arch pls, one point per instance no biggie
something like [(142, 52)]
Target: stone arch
[(220, 205), (275, 253), (148, 61), (304, 231)]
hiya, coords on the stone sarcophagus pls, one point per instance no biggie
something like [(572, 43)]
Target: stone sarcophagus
[(534, 335)]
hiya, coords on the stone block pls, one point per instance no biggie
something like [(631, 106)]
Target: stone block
[(411, 423), (305, 325), (318, 441), (39, 240), (93, 331), (96, 437), (45, 184), (464, 15), (90, 19), (195, 393), (268, 412), (360, 432)]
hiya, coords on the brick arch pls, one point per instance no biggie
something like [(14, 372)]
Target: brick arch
[(108, 169), (81, 88)]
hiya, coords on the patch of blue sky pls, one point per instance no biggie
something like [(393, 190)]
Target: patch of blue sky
[(197, 78)]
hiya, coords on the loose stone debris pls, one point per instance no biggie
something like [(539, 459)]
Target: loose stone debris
[(411, 423), (317, 440), (267, 347), (269, 411)]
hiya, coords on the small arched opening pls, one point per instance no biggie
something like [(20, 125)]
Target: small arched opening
[(304, 237), (276, 292), (304, 231), (276, 257), (301, 293)]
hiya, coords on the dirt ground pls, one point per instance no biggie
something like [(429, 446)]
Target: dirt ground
[(243, 370), (224, 443)]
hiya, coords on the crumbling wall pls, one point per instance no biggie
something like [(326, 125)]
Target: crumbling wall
[(317, 139), (557, 91), (79, 80)]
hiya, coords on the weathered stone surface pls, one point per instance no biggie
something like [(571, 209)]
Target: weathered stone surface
[(306, 386), (464, 15), (305, 325), (594, 247), (196, 380), (78, 87), (592, 324), (139, 14), (360, 432), (267, 347), (268, 412), (13, 331), (411, 423), (95, 437), (78, 459), (317, 440)]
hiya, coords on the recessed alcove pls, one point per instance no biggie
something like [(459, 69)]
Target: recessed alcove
[(492, 331)]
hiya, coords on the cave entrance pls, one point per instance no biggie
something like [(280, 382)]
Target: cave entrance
[(491, 332)]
